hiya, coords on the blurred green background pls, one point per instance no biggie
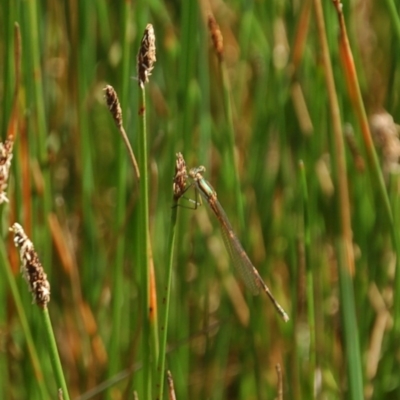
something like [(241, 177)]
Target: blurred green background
[(76, 195)]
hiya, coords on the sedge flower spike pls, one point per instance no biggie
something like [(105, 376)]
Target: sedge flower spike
[(146, 56), (113, 104), (179, 185), (31, 268)]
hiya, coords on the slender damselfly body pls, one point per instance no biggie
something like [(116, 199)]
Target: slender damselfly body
[(241, 261)]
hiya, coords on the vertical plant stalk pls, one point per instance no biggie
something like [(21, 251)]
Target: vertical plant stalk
[(395, 17), (217, 40), (6, 148), (309, 275), (358, 104), (13, 123), (35, 52), (144, 228), (204, 116), (5, 164), (33, 272), (179, 187), (344, 243), (145, 64), (351, 335), (83, 49), (189, 14), (301, 35), (344, 204), (115, 108), (297, 52), (12, 51)]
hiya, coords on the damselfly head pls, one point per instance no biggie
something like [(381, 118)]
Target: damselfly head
[(196, 173)]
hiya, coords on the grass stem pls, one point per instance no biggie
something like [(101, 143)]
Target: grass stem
[(54, 356), (309, 275), (178, 189), (41, 133), (145, 64), (144, 256), (345, 249), (118, 275), (358, 104)]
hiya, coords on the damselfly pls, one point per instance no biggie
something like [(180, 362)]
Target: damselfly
[(241, 261)]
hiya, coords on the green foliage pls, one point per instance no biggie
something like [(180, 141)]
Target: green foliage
[(71, 166)]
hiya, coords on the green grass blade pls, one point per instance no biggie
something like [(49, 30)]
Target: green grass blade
[(351, 333)]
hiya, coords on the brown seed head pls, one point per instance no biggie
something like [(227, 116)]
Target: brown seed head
[(5, 164), (146, 56), (216, 36), (31, 268), (113, 104), (179, 184)]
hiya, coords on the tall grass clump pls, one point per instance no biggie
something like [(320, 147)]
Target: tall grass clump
[(286, 114)]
